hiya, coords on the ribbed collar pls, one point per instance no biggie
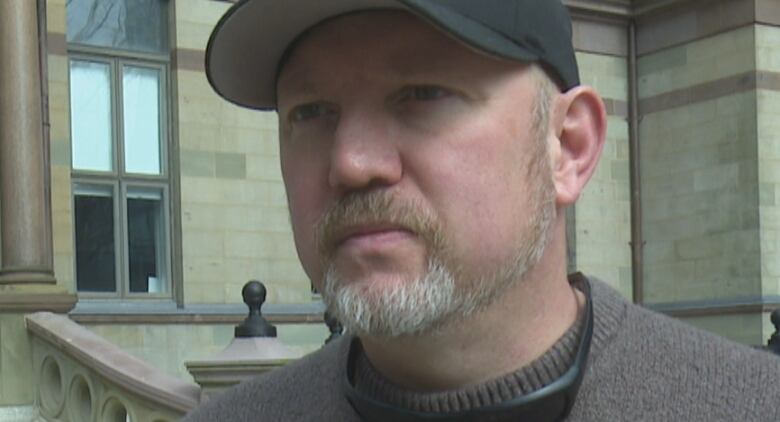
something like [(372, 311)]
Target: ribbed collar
[(539, 373)]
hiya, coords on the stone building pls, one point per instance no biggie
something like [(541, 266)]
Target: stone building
[(138, 202)]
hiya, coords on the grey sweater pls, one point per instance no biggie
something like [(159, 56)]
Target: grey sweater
[(642, 367)]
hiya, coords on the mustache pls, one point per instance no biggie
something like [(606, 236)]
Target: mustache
[(374, 208)]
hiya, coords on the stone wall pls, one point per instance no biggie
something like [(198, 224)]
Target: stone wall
[(235, 224), (59, 115), (768, 134), (699, 170), (709, 85), (745, 328), (16, 383), (603, 213)]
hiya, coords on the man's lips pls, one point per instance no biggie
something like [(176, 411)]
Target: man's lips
[(372, 235)]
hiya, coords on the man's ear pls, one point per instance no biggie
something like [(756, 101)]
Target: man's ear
[(579, 122)]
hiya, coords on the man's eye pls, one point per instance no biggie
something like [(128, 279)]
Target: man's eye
[(427, 93), (310, 111)]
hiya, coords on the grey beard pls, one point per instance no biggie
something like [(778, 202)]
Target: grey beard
[(403, 308), (436, 299)]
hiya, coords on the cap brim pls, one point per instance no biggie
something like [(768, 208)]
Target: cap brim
[(248, 42)]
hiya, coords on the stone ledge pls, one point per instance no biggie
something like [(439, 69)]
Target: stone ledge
[(645, 7), (33, 302), (620, 10), (716, 308), (711, 90), (165, 319), (27, 276), (109, 312)]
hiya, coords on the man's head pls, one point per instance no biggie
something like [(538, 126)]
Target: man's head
[(423, 175)]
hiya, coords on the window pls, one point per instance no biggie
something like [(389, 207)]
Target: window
[(119, 61)]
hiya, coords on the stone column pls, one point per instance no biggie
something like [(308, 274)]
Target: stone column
[(25, 217)]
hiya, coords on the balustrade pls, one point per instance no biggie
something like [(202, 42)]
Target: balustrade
[(81, 377)]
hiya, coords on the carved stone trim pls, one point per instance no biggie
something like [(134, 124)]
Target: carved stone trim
[(648, 7), (111, 363), (192, 318), (600, 37), (718, 309), (747, 81), (27, 276), (609, 9), (60, 303), (768, 12), (189, 59), (684, 21), (129, 312)]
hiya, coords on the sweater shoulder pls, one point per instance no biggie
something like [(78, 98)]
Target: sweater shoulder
[(305, 390), (651, 364), (696, 348)]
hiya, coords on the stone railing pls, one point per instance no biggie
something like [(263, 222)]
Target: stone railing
[(81, 377)]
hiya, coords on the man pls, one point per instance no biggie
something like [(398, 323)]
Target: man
[(429, 150)]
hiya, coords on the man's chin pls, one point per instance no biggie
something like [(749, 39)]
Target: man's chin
[(391, 305)]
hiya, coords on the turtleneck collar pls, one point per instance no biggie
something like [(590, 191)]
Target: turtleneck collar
[(503, 392)]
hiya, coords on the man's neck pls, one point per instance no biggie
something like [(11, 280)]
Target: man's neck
[(528, 319)]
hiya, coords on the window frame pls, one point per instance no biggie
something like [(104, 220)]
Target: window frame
[(120, 180)]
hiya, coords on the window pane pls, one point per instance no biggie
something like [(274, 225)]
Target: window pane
[(146, 231), (95, 256), (138, 25), (90, 115), (141, 106)]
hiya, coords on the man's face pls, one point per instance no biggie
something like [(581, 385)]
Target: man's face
[(419, 187)]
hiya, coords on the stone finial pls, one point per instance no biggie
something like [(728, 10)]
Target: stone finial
[(774, 341), (254, 325), (334, 326), (254, 350)]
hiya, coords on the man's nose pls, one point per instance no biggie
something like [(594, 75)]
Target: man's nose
[(365, 153)]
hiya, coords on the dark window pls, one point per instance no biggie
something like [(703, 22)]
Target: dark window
[(95, 244), (144, 225)]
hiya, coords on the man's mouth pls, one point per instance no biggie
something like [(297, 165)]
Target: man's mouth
[(373, 223), (369, 235)]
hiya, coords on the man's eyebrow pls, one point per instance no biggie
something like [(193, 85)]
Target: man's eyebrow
[(416, 66), (297, 84), (422, 67)]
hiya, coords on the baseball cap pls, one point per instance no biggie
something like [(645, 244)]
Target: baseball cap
[(250, 40)]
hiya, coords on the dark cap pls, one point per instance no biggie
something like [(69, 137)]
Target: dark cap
[(249, 41)]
